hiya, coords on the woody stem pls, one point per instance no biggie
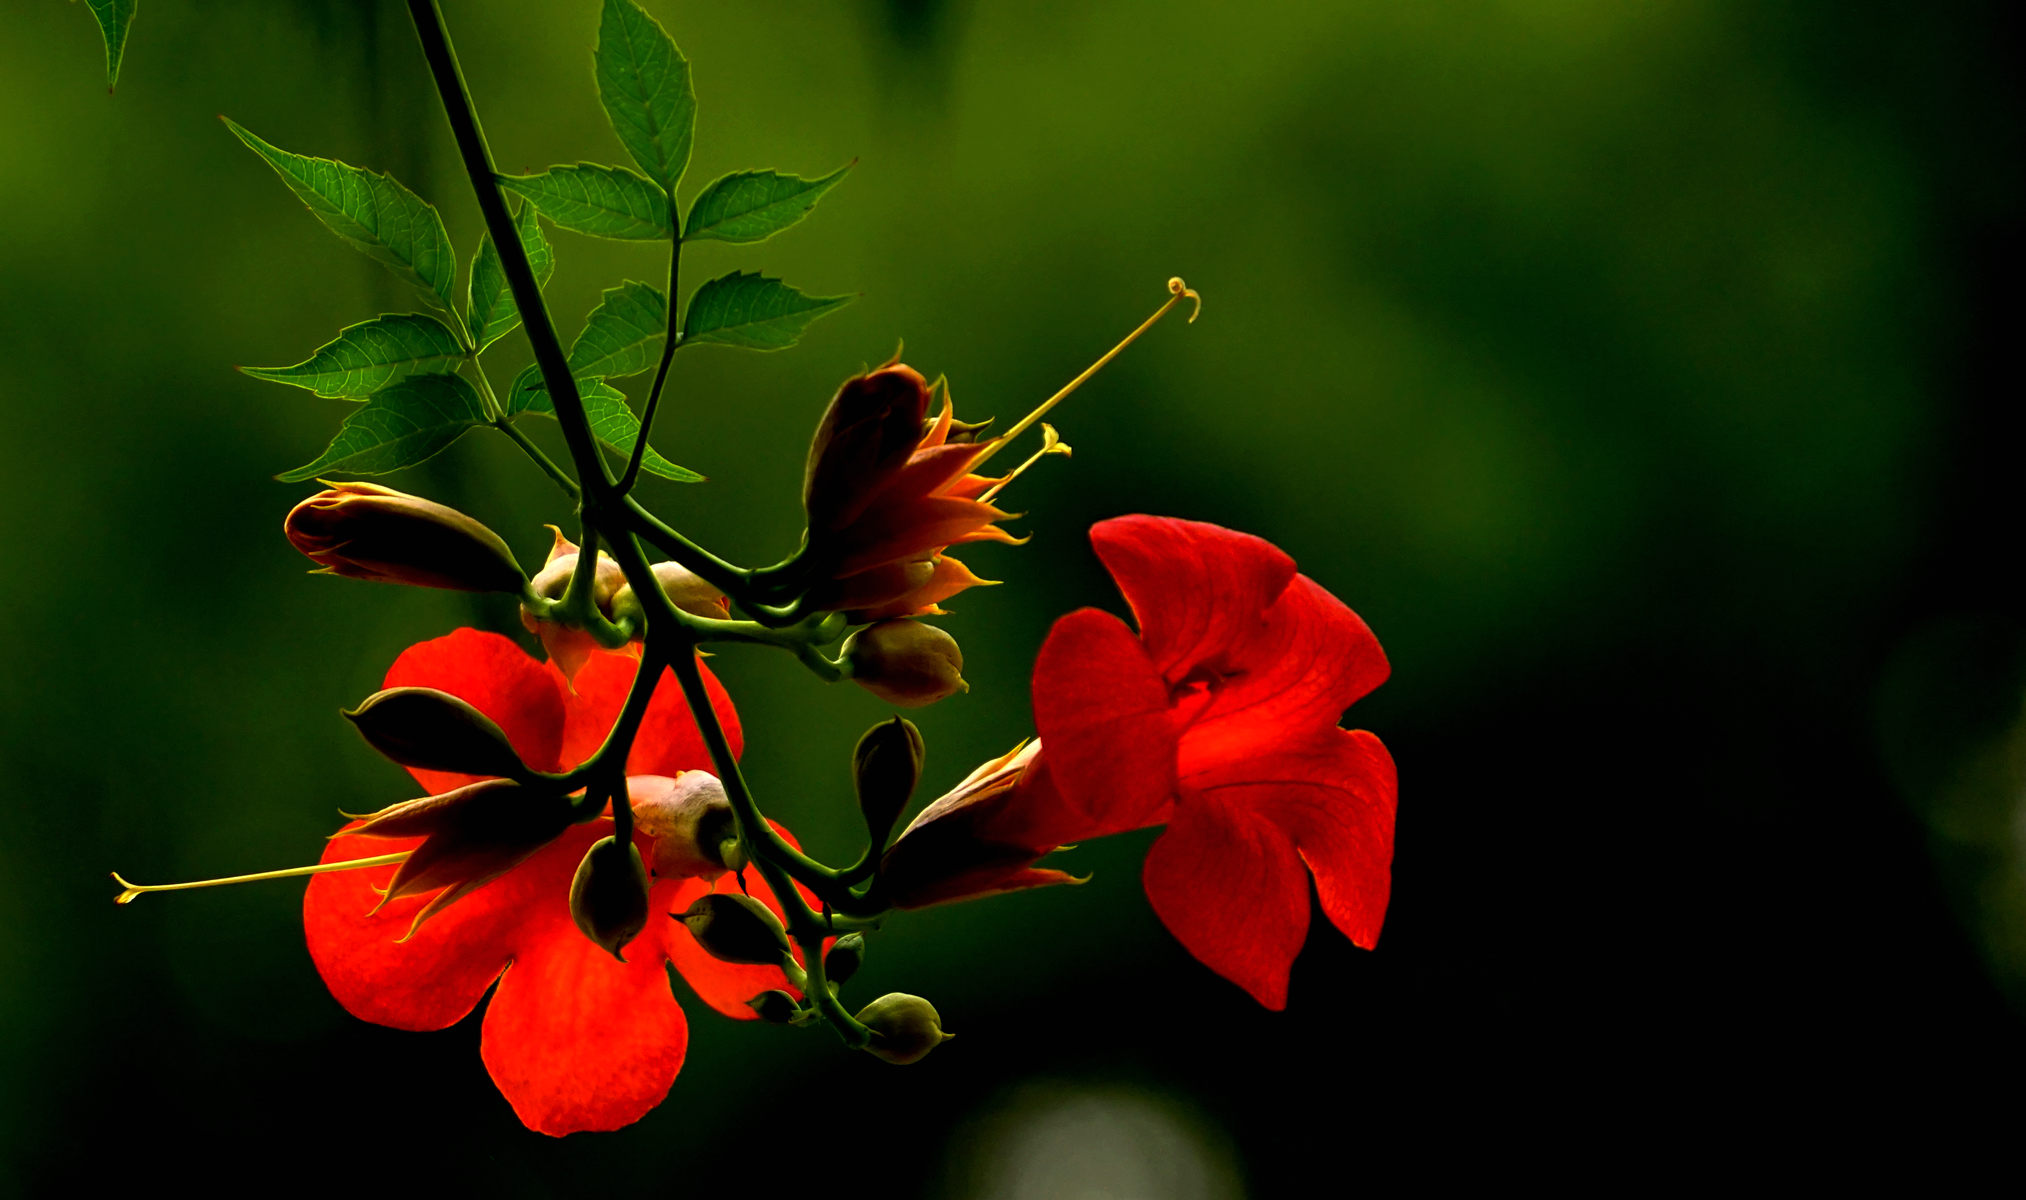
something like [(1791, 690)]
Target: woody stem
[(668, 346)]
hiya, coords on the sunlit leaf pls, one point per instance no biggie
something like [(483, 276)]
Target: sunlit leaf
[(750, 206), (644, 83), (399, 427), (607, 202), (489, 310), (371, 211), (115, 17), (371, 355), (612, 420), (753, 311), (623, 335)]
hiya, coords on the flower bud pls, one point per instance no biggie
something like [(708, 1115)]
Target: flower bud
[(690, 823), (570, 648), (736, 929), (436, 731), (885, 766), (906, 662), (775, 1006), (365, 531), (904, 1028), (845, 957), (608, 898), (684, 588)]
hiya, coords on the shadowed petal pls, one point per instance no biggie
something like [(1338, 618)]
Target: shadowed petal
[(498, 678), (1232, 890), (1102, 712), (668, 742)]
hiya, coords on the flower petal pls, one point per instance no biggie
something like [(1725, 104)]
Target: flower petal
[(575, 1040), (908, 528), (1232, 890), (1102, 711), (668, 742), (494, 675), (1196, 589)]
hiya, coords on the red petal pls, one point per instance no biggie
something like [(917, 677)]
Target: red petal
[(1102, 712), (574, 1039), (438, 975), (1232, 890), (1197, 590), (668, 742), (497, 677), (911, 528), (1297, 672)]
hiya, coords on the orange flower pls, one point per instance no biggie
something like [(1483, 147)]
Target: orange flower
[(887, 490)]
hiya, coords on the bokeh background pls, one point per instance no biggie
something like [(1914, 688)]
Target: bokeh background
[(1643, 373)]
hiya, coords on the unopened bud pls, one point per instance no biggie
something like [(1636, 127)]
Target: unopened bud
[(684, 588), (436, 731), (691, 823), (905, 662), (904, 1028), (365, 531), (775, 1006), (608, 898), (845, 957), (736, 929), (885, 766)]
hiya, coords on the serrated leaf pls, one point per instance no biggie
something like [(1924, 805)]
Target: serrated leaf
[(489, 310), (644, 83), (611, 418), (371, 355), (373, 212), (607, 202), (623, 335), (751, 206), (115, 17), (751, 310), (399, 427)]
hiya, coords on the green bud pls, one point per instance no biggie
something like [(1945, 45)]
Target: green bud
[(846, 955), (904, 1028), (608, 898), (736, 929), (436, 731), (885, 766), (775, 1006), (905, 662), (684, 589)]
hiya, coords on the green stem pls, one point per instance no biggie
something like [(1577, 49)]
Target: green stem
[(548, 465), (731, 580), (668, 346)]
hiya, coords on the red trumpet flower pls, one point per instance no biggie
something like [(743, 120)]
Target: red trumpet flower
[(574, 1039), (1219, 720)]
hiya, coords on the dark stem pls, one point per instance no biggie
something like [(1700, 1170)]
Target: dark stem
[(669, 344)]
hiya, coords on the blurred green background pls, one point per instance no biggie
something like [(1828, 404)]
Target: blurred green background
[(1639, 371)]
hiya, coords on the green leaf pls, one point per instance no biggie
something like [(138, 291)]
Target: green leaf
[(370, 355), (399, 427), (623, 335), (489, 310), (751, 206), (607, 202), (611, 418), (643, 81), (115, 17), (750, 310), (371, 211)]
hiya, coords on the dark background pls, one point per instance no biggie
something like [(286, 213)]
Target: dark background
[(1644, 374)]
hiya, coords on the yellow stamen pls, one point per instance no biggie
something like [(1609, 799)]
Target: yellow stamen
[(1179, 290), (1051, 443), (135, 889)]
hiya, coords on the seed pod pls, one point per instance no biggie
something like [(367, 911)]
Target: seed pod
[(904, 1028), (885, 767), (436, 731), (846, 955), (905, 662), (775, 1006), (691, 823), (608, 898), (736, 929), (365, 531)]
